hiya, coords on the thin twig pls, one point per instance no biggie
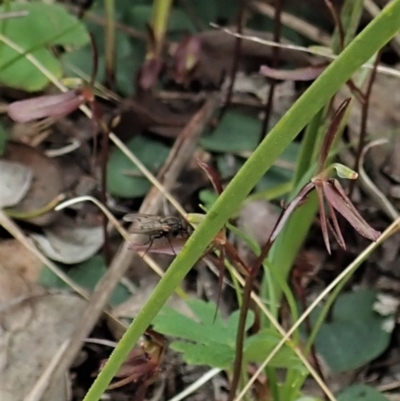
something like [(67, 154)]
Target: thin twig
[(269, 105), (236, 59), (291, 21)]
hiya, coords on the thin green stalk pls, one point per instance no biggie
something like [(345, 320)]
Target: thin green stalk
[(160, 17), (367, 43)]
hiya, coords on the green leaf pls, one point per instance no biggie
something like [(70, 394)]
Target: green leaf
[(355, 335), (258, 347), (178, 19), (205, 10), (235, 133), (209, 342), (216, 355), (123, 177), (47, 24), (87, 275), (227, 9), (129, 57), (361, 392), (207, 197), (3, 138)]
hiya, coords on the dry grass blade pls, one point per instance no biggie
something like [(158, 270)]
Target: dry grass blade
[(381, 69)]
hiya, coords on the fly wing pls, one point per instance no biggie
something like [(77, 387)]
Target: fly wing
[(143, 223)]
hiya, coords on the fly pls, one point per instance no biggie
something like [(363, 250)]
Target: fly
[(156, 226)]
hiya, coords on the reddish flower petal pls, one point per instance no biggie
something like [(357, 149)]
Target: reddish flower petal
[(335, 227), (298, 74), (322, 217), (149, 73), (186, 57), (212, 176), (330, 135), (297, 201), (341, 202), (45, 106)]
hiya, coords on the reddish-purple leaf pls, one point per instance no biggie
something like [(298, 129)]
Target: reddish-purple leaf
[(298, 74), (322, 217), (335, 226), (340, 201), (149, 73), (187, 55), (330, 135), (297, 201), (45, 106), (212, 176)]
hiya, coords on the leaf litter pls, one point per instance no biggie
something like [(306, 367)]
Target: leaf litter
[(30, 181)]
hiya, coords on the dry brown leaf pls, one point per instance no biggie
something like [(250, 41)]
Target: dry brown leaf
[(15, 180), (16, 257), (47, 181), (30, 350), (68, 242)]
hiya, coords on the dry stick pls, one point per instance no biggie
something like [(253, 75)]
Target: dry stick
[(45, 378), (364, 115), (297, 24), (269, 104), (236, 59), (124, 255)]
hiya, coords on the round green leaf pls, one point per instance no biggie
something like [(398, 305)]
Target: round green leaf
[(45, 24), (236, 132), (129, 57), (205, 10), (355, 335), (258, 347), (87, 275), (124, 178), (361, 392)]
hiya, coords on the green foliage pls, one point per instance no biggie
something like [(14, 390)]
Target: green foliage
[(355, 334), (205, 10), (235, 133), (123, 178), (47, 24), (361, 392), (3, 138), (209, 342), (178, 20), (257, 348), (87, 275), (129, 52)]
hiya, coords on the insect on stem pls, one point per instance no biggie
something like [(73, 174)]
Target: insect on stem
[(156, 227)]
